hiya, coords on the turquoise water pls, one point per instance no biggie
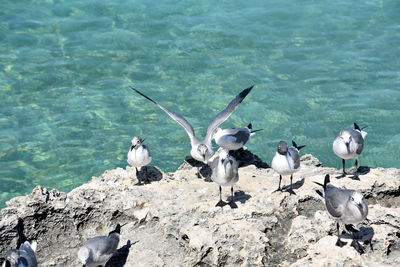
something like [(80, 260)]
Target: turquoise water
[(67, 112)]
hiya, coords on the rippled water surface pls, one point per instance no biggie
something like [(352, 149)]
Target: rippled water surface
[(67, 112)]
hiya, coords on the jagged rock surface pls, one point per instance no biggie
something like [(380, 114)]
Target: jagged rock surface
[(174, 222)]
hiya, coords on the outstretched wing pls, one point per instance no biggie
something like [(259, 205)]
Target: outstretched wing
[(175, 116), (224, 114)]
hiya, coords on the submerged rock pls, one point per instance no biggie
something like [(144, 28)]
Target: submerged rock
[(173, 220)]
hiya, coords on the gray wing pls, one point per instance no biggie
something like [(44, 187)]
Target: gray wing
[(146, 149), (357, 137), (336, 200), (102, 245), (175, 116), (213, 165), (294, 154), (224, 114), (241, 135)]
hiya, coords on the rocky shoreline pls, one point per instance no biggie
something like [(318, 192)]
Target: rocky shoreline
[(173, 220)]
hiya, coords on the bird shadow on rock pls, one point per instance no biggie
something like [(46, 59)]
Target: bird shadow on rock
[(204, 169), (365, 235), (153, 174), (296, 185), (362, 170), (246, 158), (120, 256), (240, 196)]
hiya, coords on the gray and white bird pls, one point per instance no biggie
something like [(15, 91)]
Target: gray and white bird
[(286, 161), (22, 257), (225, 173), (139, 156), (345, 206), (202, 149), (349, 144), (233, 138), (98, 250)]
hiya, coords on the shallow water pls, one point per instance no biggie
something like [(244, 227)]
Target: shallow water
[(67, 112)]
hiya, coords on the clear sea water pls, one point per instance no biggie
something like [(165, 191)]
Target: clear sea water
[(67, 113)]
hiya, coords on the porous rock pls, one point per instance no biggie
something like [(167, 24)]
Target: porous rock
[(173, 220)]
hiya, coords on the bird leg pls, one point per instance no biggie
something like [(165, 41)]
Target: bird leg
[(339, 242), (356, 245), (232, 204), (291, 186), (344, 166), (279, 186), (198, 173), (344, 170), (356, 165), (350, 228), (220, 203), (138, 177)]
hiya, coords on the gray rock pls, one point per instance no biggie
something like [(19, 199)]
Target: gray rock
[(173, 220)]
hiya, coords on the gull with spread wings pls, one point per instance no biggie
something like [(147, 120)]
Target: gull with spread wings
[(202, 150)]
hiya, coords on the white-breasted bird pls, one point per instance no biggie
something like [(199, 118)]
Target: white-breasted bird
[(22, 257), (349, 144), (139, 156), (233, 138), (202, 149), (225, 173), (345, 206), (286, 161), (99, 249)]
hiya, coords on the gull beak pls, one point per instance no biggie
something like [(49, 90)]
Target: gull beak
[(204, 157), (348, 147)]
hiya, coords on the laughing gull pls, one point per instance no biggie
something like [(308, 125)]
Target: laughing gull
[(138, 156), (346, 206), (225, 173), (286, 161), (24, 256), (349, 144), (233, 138), (98, 250), (202, 150)]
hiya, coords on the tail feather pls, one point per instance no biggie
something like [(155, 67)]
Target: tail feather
[(326, 181), (296, 146), (256, 131), (363, 134)]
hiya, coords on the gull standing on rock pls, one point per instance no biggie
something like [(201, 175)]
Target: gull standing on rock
[(202, 150), (346, 206), (233, 138), (225, 173), (138, 156), (286, 161), (349, 144), (22, 257), (98, 250)]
